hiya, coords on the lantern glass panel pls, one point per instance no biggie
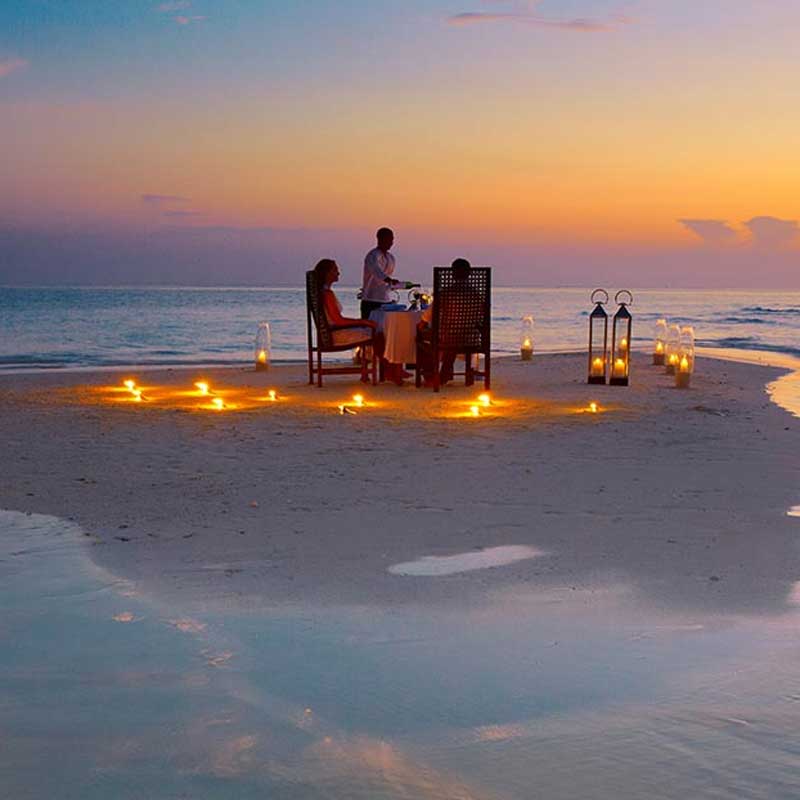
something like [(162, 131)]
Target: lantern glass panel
[(621, 347), (598, 345), (263, 346)]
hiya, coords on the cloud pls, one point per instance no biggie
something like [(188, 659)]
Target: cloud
[(711, 231), (523, 13), (9, 65), (772, 233), (162, 199), (182, 214), (763, 232)]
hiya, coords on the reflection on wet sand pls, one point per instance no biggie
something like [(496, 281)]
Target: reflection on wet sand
[(576, 693)]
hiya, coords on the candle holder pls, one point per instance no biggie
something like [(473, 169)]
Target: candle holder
[(598, 338), (621, 340), (526, 338), (685, 368), (660, 343), (263, 346), (671, 348)]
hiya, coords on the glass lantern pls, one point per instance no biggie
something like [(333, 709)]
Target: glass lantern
[(598, 337), (263, 346), (685, 368), (526, 338), (671, 349), (659, 342), (621, 340)]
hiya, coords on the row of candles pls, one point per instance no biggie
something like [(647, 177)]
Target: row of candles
[(673, 348)]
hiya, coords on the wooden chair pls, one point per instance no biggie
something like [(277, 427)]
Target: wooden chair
[(461, 324), (325, 340)]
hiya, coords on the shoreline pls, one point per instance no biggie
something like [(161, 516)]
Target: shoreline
[(255, 509)]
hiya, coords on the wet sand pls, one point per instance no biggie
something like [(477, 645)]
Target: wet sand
[(680, 495)]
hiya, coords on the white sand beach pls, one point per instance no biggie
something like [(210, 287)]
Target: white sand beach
[(682, 494)]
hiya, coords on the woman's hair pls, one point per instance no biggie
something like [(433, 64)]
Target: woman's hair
[(323, 268)]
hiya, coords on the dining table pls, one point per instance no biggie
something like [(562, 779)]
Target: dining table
[(399, 328)]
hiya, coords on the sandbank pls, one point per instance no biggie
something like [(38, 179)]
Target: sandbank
[(683, 495)]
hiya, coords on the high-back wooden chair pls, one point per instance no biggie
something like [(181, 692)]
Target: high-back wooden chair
[(461, 324), (322, 338)]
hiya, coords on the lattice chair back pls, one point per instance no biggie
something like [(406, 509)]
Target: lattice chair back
[(461, 309), (316, 311)]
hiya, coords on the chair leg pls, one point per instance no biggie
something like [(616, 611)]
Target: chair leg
[(319, 368), (374, 368), (469, 377), (310, 366), (487, 383)]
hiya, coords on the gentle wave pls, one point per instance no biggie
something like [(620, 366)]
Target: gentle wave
[(764, 310)]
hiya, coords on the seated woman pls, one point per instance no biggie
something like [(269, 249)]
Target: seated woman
[(357, 330)]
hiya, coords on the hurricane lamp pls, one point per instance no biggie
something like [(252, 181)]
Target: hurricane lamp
[(598, 337), (659, 342), (621, 340), (526, 338), (685, 368), (671, 348), (263, 346)]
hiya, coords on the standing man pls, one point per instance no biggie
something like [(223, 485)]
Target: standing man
[(378, 271)]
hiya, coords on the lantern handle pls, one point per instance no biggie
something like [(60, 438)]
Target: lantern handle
[(601, 291), (626, 302)]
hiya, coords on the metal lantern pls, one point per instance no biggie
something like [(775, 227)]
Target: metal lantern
[(621, 340), (685, 368), (263, 345), (671, 348), (660, 342), (598, 337), (526, 338)]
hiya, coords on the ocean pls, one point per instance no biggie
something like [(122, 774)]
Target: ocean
[(69, 328)]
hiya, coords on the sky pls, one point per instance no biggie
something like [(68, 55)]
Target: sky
[(565, 142)]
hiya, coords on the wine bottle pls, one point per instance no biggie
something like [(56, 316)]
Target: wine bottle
[(410, 285)]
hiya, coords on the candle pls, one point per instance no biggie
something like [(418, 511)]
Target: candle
[(137, 395), (485, 400), (593, 408), (218, 403), (475, 411), (683, 376), (273, 395), (262, 356), (358, 399), (684, 364), (619, 368), (526, 349), (597, 367), (659, 347), (130, 385), (202, 387), (623, 344)]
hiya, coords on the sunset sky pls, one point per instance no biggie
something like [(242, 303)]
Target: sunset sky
[(564, 141)]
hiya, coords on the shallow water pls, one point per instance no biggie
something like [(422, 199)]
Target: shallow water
[(431, 566), (552, 694), (103, 327)]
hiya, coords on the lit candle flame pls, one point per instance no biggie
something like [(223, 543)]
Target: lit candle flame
[(619, 367), (526, 344), (137, 395), (218, 403), (659, 347), (358, 399), (684, 364), (262, 356), (130, 385), (475, 411), (202, 387), (673, 358), (273, 395), (597, 366), (623, 343), (485, 400), (593, 407)]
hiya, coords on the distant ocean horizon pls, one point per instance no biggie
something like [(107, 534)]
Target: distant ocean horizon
[(43, 328)]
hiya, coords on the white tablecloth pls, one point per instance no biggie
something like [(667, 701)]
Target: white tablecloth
[(400, 330)]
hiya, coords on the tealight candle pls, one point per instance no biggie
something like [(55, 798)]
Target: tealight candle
[(273, 395), (485, 400), (683, 376), (358, 399), (593, 408), (130, 385), (475, 411), (218, 403), (202, 387), (623, 344), (619, 368), (597, 367)]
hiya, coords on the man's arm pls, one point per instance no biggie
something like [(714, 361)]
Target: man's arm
[(372, 266)]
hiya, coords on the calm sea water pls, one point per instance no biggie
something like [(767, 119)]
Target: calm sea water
[(103, 327)]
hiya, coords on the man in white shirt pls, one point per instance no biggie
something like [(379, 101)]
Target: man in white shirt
[(378, 270)]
